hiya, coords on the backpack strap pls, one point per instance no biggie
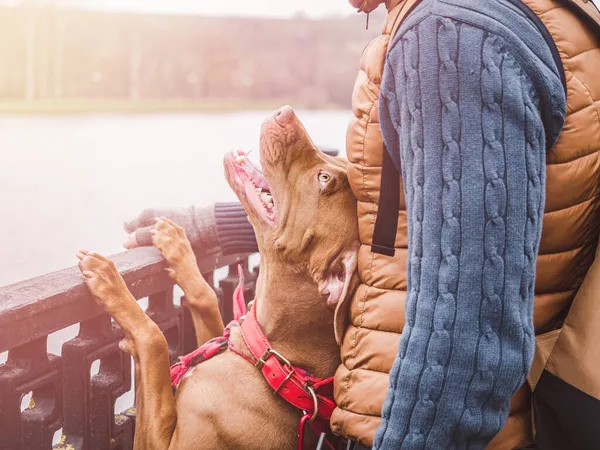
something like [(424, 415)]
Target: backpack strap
[(386, 225)]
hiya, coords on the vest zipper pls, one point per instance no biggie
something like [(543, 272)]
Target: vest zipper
[(547, 37)]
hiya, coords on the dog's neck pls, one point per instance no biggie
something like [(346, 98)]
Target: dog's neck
[(296, 319)]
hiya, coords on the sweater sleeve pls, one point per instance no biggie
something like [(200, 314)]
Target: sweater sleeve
[(222, 228), (234, 231), (465, 118)]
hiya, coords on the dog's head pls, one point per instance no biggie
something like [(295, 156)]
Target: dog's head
[(300, 205)]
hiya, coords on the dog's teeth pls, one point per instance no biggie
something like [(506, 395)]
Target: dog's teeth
[(266, 198)]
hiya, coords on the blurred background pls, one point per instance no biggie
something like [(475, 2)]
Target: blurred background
[(111, 106)]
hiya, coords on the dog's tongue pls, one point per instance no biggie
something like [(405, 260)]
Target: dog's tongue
[(239, 303)]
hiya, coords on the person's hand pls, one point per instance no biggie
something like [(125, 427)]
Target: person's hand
[(139, 228)]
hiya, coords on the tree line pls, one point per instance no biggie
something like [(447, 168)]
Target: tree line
[(50, 53)]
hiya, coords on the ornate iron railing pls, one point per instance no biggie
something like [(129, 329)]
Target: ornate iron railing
[(63, 391)]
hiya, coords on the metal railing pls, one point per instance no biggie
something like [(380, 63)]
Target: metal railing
[(63, 391)]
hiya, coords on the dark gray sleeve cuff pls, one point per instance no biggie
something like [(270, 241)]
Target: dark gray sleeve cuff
[(234, 232)]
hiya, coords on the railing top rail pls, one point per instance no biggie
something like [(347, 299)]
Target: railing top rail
[(42, 305)]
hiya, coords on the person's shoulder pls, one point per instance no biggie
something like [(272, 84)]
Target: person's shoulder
[(518, 29), (510, 20), (502, 35), (510, 13)]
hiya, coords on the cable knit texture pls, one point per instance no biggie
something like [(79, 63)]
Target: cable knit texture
[(460, 105)]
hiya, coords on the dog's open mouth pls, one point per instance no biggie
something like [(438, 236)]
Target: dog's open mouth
[(249, 180)]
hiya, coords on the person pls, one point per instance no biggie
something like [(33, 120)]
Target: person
[(497, 213)]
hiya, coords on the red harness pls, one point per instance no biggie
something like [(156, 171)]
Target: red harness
[(313, 396)]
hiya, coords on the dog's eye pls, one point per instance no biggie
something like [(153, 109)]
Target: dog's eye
[(324, 178)]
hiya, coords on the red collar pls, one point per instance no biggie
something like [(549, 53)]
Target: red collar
[(293, 384), (313, 396)]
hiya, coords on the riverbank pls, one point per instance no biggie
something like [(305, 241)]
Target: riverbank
[(95, 106)]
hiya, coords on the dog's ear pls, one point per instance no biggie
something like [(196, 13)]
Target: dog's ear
[(338, 287)]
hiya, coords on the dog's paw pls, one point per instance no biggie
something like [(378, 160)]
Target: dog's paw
[(170, 239), (103, 279), (172, 242)]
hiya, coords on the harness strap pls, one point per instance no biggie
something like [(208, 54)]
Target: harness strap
[(386, 224), (215, 345), (313, 396), (204, 352)]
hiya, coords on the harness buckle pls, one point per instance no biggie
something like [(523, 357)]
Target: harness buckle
[(313, 394), (268, 352), (282, 359), (288, 376)]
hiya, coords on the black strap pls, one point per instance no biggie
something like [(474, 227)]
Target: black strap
[(386, 225), (565, 417)]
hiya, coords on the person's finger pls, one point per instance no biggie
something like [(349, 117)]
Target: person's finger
[(130, 226), (145, 219), (131, 241), (88, 274), (143, 236)]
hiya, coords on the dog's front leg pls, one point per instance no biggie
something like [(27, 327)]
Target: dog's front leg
[(200, 298), (156, 416)]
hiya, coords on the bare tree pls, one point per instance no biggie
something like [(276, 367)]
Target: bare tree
[(29, 7), (135, 64)]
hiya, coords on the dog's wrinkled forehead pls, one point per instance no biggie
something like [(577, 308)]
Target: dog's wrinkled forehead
[(310, 188), (285, 141)]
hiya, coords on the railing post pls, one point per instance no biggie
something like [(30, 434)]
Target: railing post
[(30, 369), (64, 392), (89, 402), (228, 285), (250, 281)]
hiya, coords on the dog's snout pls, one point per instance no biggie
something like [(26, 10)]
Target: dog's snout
[(284, 116)]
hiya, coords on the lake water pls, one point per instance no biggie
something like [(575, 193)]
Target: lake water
[(69, 182)]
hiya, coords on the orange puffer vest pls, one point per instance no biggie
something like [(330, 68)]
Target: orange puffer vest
[(567, 246)]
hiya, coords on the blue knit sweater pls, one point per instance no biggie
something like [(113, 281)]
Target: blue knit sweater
[(470, 101)]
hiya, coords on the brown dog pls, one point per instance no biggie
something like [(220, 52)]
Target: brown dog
[(304, 215)]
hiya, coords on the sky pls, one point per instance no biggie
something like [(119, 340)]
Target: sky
[(263, 8)]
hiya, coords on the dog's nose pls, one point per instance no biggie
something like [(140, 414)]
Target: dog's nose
[(284, 116)]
